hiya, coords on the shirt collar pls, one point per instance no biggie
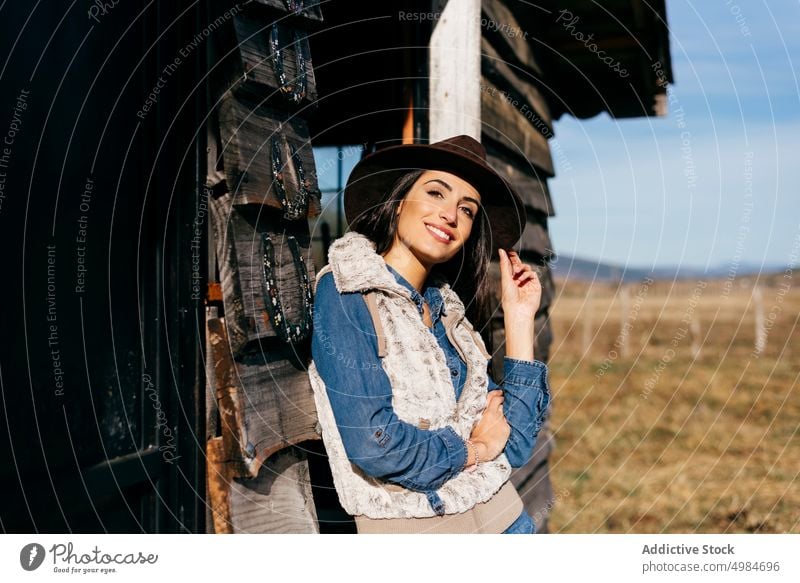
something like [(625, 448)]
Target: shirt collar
[(430, 293)]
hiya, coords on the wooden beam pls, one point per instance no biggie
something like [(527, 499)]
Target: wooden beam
[(218, 477), (455, 69)]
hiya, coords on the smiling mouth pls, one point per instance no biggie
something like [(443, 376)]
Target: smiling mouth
[(438, 234)]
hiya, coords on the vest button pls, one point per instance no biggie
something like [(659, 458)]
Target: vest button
[(454, 372)]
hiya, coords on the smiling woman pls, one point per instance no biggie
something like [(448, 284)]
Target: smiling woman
[(418, 435), (435, 219)]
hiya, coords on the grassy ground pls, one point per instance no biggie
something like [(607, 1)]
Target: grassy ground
[(684, 428)]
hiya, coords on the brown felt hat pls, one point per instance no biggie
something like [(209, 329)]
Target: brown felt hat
[(372, 178)]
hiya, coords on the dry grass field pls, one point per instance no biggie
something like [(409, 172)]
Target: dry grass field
[(665, 420)]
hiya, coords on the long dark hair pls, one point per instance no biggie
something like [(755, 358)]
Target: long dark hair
[(467, 271)]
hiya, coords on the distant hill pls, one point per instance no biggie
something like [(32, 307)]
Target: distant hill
[(567, 267)]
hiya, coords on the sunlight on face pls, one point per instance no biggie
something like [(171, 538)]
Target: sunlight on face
[(437, 216)]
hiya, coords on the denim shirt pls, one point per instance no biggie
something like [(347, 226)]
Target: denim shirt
[(345, 351)]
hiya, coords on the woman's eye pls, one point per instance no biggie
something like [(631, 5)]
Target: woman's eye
[(465, 208)]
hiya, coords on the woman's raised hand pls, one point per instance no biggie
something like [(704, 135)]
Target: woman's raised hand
[(491, 432), (520, 288)]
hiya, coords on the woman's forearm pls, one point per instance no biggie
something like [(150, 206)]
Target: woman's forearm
[(519, 338), (527, 398)]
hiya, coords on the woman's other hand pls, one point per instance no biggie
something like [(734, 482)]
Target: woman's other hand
[(491, 432)]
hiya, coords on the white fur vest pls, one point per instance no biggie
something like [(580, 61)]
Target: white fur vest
[(425, 398)]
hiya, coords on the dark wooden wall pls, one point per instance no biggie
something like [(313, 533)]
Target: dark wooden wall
[(99, 370)]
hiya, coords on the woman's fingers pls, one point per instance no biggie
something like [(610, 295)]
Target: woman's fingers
[(523, 274), (495, 395), (518, 268), (496, 403), (526, 276), (506, 269), (506, 274)]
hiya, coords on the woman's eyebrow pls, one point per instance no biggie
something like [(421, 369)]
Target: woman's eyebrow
[(442, 182), (450, 188)]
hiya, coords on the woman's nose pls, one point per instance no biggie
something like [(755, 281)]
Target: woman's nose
[(448, 214)]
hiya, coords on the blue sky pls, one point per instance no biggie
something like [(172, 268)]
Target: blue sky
[(714, 183), (723, 188)]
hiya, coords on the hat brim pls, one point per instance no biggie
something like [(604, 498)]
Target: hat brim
[(370, 181)]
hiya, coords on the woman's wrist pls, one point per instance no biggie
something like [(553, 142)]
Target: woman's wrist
[(469, 445), (477, 452), (482, 451), (519, 338)]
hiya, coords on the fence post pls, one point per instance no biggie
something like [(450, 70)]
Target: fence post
[(625, 310), (694, 333), (761, 335), (587, 321)]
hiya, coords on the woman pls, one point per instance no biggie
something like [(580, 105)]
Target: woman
[(419, 437)]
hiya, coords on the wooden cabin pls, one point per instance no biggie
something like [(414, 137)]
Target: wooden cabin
[(187, 406), (402, 72)]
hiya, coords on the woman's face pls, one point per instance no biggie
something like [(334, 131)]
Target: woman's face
[(437, 215)]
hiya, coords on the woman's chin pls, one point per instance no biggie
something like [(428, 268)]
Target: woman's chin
[(430, 252), (430, 257)]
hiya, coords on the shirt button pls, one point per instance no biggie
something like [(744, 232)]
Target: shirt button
[(454, 372)]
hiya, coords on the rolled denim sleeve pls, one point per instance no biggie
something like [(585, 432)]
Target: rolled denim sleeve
[(527, 397), (345, 351)]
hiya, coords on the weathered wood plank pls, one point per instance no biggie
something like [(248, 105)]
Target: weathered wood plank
[(510, 128), (513, 79), (271, 390), (276, 398), (535, 238), (259, 64), (530, 182), (235, 448), (269, 492), (240, 252), (251, 134), (544, 336), (513, 42), (279, 500), (217, 489), (215, 173)]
